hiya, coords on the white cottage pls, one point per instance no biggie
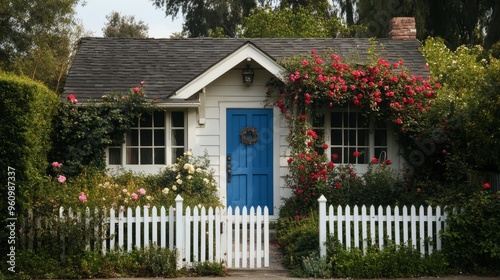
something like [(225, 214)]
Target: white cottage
[(211, 91)]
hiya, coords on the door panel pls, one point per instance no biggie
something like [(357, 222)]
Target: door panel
[(250, 167)]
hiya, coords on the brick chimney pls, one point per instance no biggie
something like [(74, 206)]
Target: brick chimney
[(402, 28)]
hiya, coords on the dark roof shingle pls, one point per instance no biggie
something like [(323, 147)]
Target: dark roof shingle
[(104, 65)]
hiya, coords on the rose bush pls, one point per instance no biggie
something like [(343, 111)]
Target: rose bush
[(318, 81)]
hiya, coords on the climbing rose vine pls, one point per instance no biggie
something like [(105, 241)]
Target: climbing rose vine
[(381, 89), (315, 82)]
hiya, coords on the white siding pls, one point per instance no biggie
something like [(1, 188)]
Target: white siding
[(225, 92)]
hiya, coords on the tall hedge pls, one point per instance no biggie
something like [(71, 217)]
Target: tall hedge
[(27, 108)]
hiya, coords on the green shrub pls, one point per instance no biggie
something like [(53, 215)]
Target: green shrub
[(390, 262), (298, 238), (27, 108), (471, 238), (209, 268), (82, 133), (148, 262)]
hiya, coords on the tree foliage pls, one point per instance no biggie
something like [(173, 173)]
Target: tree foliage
[(124, 27), (458, 22), (470, 98), (37, 38), (202, 16), (300, 22)]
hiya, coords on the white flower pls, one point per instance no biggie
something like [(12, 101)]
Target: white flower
[(179, 181), (205, 181), (174, 187), (178, 176), (149, 197), (165, 191), (199, 170), (189, 177), (191, 170)]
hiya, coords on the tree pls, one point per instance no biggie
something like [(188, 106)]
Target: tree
[(304, 22), (124, 27), (459, 22), (202, 17), (469, 101), (37, 38)]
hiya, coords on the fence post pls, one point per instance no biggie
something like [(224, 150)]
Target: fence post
[(322, 225), (179, 231)]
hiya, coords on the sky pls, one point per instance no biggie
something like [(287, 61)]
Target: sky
[(93, 16)]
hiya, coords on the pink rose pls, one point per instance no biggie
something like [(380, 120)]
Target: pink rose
[(56, 164), (142, 191), (134, 196), (61, 179), (137, 89), (124, 191), (142, 83), (82, 197)]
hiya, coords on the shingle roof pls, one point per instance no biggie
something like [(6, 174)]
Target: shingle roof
[(104, 65)]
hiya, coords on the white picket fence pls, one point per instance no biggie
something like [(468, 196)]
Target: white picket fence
[(419, 228), (239, 240)]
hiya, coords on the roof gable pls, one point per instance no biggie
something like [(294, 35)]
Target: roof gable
[(247, 51)]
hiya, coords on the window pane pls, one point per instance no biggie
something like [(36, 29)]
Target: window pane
[(136, 122), (115, 156), (177, 137), (177, 119), (381, 153), (336, 119), (350, 120), (159, 155), (363, 158), (132, 156), (336, 137), (133, 138), (176, 153), (336, 154), (348, 154), (380, 137), (146, 120), (363, 137), (146, 156), (159, 137), (159, 119), (350, 137), (146, 137)]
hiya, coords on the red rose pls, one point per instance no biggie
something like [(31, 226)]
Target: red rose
[(325, 146), (486, 186), (399, 121), (356, 154), (388, 162), (374, 160), (335, 157), (136, 90)]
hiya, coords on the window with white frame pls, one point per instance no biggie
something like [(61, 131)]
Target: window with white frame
[(349, 132), (156, 139)]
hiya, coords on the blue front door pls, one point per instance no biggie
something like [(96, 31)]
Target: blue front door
[(250, 158)]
